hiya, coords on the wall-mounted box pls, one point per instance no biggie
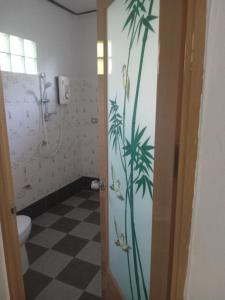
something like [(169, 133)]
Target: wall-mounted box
[(64, 90)]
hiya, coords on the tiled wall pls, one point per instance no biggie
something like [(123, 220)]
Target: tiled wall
[(89, 130), (37, 170)]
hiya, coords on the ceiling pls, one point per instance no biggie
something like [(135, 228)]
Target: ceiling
[(78, 5)]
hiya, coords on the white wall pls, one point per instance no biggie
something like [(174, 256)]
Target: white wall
[(54, 31), (89, 100), (206, 270), (87, 46)]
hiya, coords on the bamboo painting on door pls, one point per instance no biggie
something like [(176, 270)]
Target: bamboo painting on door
[(133, 29)]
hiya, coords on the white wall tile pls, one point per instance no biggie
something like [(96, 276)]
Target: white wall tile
[(78, 154)]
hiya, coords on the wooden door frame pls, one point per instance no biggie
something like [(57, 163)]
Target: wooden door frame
[(110, 289), (193, 75), (8, 221), (187, 92)]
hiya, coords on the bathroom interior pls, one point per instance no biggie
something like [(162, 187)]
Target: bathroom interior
[(48, 63)]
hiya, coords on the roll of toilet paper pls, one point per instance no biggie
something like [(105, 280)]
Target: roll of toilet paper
[(95, 185)]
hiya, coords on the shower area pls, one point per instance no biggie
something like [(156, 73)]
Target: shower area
[(52, 143), (49, 75)]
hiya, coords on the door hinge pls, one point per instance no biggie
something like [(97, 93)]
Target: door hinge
[(13, 210), (176, 160), (102, 185)]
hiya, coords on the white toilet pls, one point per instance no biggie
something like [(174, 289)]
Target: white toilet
[(24, 230)]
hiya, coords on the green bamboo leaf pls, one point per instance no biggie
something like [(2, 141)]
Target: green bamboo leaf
[(140, 24), (151, 18), (142, 169), (150, 187), (148, 25), (136, 10), (151, 168), (141, 5), (144, 182), (147, 153), (148, 148), (132, 25), (120, 132), (146, 143), (147, 22), (115, 121), (146, 161), (129, 19), (141, 184), (127, 148), (129, 7), (139, 135), (131, 4), (144, 188)]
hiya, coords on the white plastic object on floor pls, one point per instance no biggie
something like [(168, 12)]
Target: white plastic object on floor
[(95, 185), (24, 229)]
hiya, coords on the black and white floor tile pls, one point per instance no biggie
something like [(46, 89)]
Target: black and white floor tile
[(64, 251)]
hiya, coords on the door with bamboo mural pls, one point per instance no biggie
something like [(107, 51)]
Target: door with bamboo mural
[(133, 33)]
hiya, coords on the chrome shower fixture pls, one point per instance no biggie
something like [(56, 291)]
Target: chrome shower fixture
[(44, 99)]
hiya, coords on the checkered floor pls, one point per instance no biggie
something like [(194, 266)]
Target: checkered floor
[(64, 251)]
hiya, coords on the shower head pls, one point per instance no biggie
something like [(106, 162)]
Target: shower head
[(48, 85), (42, 75)]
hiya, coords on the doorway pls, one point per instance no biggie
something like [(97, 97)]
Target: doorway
[(51, 112), (167, 212)]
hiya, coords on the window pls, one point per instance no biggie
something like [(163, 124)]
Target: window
[(100, 58), (17, 55), (110, 57)]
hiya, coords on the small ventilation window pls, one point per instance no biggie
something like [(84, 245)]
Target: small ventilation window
[(17, 55)]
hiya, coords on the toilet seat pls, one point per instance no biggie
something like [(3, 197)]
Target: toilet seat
[(24, 227)]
